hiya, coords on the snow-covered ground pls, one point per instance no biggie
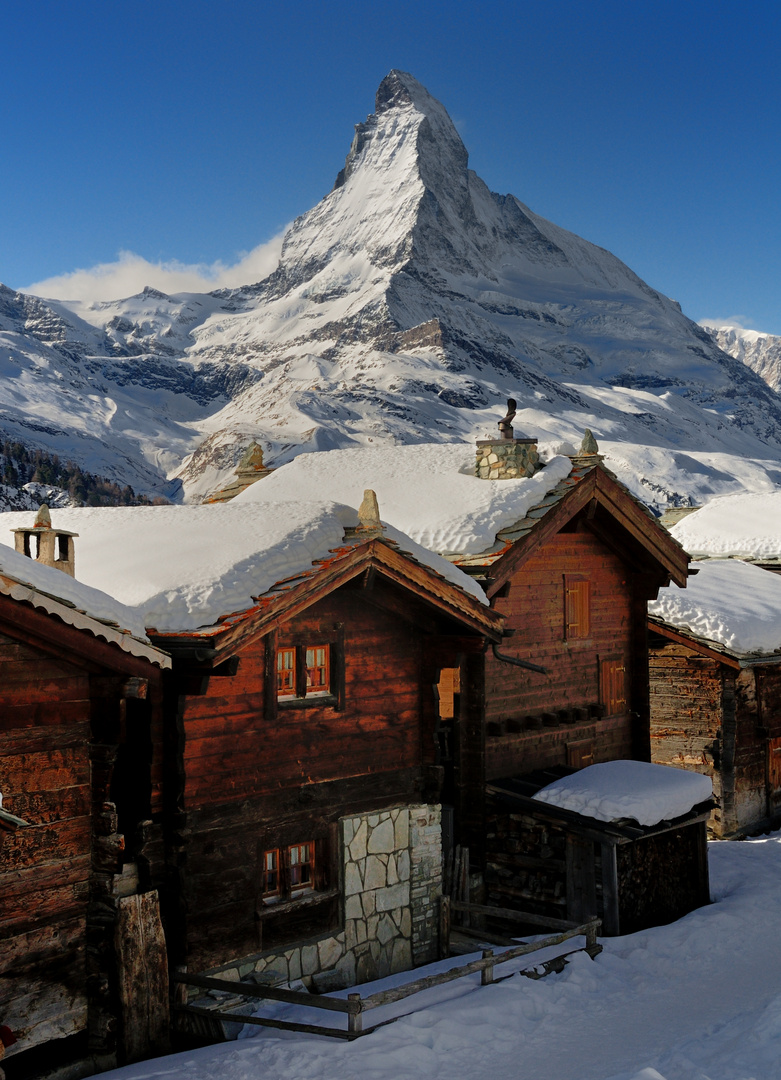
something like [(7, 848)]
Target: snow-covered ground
[(697, 1000)]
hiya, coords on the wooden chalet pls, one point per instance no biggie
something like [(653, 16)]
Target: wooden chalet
[(304, 764), (80, 703), (568, 688), (716, 709)]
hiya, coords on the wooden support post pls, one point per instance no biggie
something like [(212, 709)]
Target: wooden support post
[(444, 927), (487, 974), (354, 1016)]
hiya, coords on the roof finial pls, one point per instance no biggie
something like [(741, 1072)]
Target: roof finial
[(589, 446), (43, 519), (369, 511)]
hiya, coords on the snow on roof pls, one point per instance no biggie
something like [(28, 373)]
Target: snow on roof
[(178, 568), (428, 490), (729, 602), (747, 526), (639, 790), (51, 582)]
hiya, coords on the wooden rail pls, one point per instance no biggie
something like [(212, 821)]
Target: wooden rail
[(355, 1005)]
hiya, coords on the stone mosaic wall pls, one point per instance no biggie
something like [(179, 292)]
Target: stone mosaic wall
[(505, 459), (391, 879)]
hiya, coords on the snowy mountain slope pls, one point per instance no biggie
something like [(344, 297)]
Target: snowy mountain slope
[(406, 307), (760, 352)]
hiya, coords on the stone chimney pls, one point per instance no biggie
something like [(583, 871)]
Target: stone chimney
[(249, 469), (506, 457), (52, 547)]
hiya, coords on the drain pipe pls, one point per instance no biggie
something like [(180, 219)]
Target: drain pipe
[(526, 664)]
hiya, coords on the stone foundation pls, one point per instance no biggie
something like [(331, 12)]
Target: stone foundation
[(391, 881), (506, 459)]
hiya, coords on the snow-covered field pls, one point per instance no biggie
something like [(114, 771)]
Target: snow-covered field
[(697, 1000)]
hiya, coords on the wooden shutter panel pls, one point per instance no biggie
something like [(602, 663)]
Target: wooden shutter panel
[(577, 607), (613, 686)]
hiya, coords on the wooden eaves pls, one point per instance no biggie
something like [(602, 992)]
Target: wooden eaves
[(55, 626), (289, 598)]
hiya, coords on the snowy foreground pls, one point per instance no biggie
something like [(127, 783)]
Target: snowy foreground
[(697, 1000)]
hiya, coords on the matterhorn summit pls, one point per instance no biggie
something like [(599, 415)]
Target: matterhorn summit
[(407, 306)]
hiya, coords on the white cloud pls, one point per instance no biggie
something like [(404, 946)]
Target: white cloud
[(740, 322), (130, 273)]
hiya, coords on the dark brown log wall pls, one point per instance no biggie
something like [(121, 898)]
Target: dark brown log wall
[(710, 717), (45, 868), (534, 605)]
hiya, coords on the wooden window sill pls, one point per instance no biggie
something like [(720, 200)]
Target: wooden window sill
[(311, 701), (307, 900)]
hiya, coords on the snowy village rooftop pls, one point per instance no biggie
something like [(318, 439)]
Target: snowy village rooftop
[(730, 603), (744, 526), (429, 491), (179, 568)]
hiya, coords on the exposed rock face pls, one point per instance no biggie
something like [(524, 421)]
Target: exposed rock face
[(407, 305), (760, 352)]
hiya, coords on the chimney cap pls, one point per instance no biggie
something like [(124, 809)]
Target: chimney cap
[(43, 519)]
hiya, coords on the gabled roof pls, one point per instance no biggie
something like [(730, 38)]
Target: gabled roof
[(730, 611), (376, 556), (613, 513)]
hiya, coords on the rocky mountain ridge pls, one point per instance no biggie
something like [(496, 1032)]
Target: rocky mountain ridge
[(761, 352), (406, 307)]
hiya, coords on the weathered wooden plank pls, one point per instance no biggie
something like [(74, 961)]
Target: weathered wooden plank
[(142, 976)]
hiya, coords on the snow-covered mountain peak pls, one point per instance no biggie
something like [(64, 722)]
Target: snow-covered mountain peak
[(407, 306)]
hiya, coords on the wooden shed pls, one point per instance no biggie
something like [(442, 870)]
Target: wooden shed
[(715, 666), (74, 694), (552, 861)]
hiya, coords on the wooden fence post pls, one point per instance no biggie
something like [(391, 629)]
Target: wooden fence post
[(444, 927), (592, 948), (354, 1016), (487, 974)]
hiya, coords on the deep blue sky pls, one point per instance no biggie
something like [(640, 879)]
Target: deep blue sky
[(193, 131)]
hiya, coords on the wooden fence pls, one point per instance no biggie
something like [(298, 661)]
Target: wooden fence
[(355, 1005)]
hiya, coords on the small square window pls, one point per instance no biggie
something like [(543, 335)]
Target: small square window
[(303, 671)]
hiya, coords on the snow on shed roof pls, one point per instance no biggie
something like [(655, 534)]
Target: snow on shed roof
[(728, 602), (614, 790), (747, 526), (428, 490), (177, 568)]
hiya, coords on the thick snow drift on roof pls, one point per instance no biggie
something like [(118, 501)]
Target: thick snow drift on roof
[(730, 602), (92, 601), (748, 526), (429, 491), (628, 789), (181, 567)]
